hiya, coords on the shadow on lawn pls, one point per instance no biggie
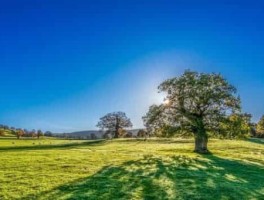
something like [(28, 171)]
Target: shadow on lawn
[(36, 145), (257, 140), (177, 177)]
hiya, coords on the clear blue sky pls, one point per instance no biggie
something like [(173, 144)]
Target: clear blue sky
[(66, 63)]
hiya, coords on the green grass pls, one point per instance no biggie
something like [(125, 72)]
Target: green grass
[(6, 133), (130, 169)]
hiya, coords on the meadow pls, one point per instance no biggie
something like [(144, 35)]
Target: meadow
[(130, 169)]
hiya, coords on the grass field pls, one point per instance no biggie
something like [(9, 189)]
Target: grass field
[(130, 169)]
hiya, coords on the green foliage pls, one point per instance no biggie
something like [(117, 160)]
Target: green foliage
[(2, 132), (154, 119), (167, 131), (130, 169), (142, 133), (7, 132), (196, 102), (260, 127), (18, 132), (39, 133), (115, 122), (236, 126), (48, 134)]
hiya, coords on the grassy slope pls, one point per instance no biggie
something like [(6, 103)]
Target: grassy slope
[(6, 133), (130, 169)]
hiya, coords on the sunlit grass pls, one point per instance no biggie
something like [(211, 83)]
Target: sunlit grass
[(130, 169)]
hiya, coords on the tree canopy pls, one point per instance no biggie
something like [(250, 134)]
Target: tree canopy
[(195, 102), (114, 122)]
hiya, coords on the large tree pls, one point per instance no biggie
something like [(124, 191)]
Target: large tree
[(195, 102), (114, 122)]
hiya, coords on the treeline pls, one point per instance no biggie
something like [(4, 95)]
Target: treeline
[(107, 134), (234, 126), (122, 133), (19, 132), (199, 104), (92, 136)]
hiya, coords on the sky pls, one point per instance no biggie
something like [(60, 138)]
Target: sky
[(64, 64)]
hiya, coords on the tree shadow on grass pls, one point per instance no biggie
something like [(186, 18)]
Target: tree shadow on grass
[(257, 140), (176, 177), (38, 146)]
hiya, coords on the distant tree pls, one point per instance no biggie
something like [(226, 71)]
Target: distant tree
[(19, 133), (26, 133), (253, 129), (260, 127), (113, 122), (128, 135), (5, 127), (142, 133), (39, 133), (2, 132), (64, 135), (195, 102), (107, 135), (48, 134), (13, 132), (33, 133), (93, 136)]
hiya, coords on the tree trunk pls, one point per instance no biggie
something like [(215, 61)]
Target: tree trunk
[(201, 137), (116, 134), (201, 143)]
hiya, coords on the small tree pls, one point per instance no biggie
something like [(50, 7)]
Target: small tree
[(2, 132), (19, 133), (114, 122), (39, 133), (33, 133), (5, 127), (93, 136), (48, 134), (128, 135), (260, 127), (195, 102)]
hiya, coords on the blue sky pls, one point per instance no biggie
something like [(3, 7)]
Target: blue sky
[(64, 64)]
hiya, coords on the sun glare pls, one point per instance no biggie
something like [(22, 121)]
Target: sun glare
[(166, 102)]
